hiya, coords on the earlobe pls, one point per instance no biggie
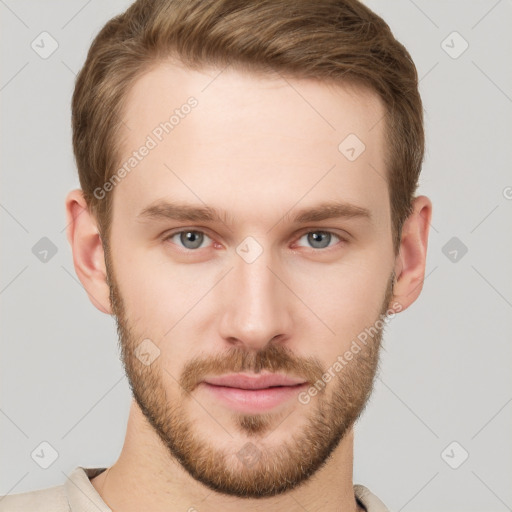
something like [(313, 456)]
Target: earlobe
[(411, 260), (88, 254)]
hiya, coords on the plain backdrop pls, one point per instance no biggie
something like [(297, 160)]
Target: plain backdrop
[(436, 435)]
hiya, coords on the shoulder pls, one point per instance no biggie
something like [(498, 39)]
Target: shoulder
[(52, 499), (370, 502), (77, 493)]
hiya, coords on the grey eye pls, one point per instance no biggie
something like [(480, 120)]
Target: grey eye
[(319, 239), (190, 239)]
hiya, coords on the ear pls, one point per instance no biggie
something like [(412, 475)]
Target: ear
[(88, 255), (411, 259)]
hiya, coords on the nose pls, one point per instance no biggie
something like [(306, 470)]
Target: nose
[(256, 304)]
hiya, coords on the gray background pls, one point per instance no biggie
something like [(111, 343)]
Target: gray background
[(446, 370)]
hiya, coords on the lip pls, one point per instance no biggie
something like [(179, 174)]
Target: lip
[(253, 393), (248, 381)]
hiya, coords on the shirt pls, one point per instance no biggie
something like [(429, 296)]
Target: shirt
[(78, 494)]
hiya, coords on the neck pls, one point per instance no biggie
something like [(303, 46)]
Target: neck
[(145, 477)]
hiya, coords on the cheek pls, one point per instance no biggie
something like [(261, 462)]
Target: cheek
[(346, 299), (160, 296)]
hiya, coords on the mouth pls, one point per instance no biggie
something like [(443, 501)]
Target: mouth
[(253, 393), (254, 381)]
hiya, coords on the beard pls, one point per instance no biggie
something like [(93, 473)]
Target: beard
[(250, 467)]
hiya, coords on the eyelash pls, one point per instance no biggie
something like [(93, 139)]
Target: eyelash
[(169, 236)]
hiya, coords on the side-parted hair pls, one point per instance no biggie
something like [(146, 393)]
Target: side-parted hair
[(336, 41)]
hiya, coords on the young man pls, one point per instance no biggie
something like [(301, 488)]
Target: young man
[(247, 213)]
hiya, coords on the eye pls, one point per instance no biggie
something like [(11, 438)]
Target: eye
[(189, 239), (320, 239)]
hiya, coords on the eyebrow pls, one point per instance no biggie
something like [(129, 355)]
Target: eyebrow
[(164, 210)]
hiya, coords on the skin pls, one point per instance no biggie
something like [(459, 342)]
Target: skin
[(255, 148)]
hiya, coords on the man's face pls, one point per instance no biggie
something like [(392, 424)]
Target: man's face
[(257, 291)]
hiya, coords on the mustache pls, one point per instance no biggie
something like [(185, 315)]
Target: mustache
[(273, 358)]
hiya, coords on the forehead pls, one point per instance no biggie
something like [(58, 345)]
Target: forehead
[(214, 134), (273, 101)]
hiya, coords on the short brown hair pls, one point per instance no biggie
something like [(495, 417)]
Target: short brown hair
[(340, 41)]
